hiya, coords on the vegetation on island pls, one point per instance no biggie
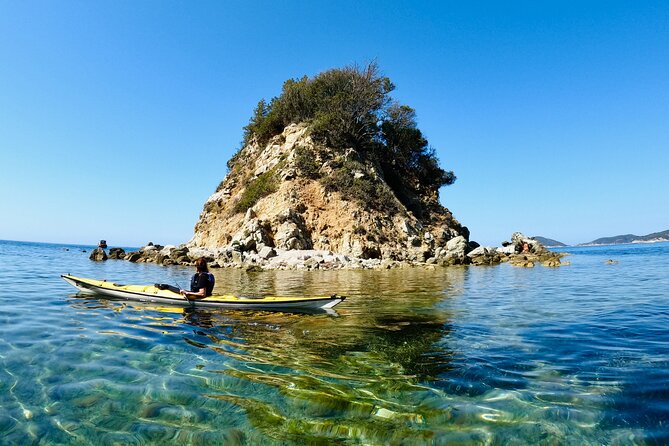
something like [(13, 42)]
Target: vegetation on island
[(368, 134), (265, 184)]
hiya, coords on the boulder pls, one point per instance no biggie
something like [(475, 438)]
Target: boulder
[(178, 253), (291, 232), (481, 250), (98, 255), (455, 247), (290, 236), (526, 264), (149, 249), (236, 257), (253, 234), (116, 253), (250, 214), (526, 245), (443, 234), (507, 250), (552, 263), (455, 252), (266, 253), (133, 256), (253, 269), (484, 255)]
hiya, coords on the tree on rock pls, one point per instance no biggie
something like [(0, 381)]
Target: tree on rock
[(351, 108)]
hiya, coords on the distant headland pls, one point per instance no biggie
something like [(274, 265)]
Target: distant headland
[(655, 237), (630, 238)]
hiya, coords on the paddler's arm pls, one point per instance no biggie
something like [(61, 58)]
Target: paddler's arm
[(201, 294)]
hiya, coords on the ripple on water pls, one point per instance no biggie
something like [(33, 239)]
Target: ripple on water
[(499, 355)]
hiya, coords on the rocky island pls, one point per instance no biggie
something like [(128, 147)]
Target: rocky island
[(334, 173)]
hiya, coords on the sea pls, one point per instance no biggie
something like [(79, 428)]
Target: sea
[(495, 355)]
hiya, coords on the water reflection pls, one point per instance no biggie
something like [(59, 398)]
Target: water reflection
[(312, 376), (403, 362)]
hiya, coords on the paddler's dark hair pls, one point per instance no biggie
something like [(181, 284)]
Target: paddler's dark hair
[(201, 265)]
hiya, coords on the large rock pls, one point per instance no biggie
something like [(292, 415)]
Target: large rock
[(116, 253), (524, 261), (98, 255), (253, 234), (454, 253), (267, 252), (484, 255), (526, 245), (507, 250), (133, 256), (291, 232), (177, 254)]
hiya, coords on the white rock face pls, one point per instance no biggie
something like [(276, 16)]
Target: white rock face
[(266, 253), (508, 250), (481, 251), (456, 247)]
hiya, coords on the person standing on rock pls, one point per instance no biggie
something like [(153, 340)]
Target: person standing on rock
[(202, 282)]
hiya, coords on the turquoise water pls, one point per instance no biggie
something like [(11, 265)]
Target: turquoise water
[(484, 355)]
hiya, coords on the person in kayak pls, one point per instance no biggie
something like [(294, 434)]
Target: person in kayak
[(202, 282)]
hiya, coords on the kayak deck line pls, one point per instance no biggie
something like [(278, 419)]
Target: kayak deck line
[(152, 293)]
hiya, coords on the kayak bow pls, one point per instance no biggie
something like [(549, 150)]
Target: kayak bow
[(154, 294)]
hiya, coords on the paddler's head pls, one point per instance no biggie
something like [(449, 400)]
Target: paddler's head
[(201, 265)]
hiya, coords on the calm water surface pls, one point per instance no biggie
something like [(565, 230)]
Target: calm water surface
[(484, 355)]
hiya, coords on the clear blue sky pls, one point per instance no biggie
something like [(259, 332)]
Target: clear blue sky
[(117, 117)]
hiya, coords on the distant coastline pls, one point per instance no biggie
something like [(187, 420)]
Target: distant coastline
[(635, 242), (86, 246), (630, 238), (626, 239)]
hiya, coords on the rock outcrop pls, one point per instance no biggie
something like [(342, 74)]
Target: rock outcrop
[(274, 210), (116, 253), (296, 211), (457, 251), (98, 255), (521, 251)]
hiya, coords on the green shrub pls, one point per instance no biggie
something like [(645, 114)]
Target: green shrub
[(307, 163), (366, 191), (343, 105), (265, 184), (351, 107)]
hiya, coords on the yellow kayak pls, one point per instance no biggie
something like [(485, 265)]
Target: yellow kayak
[(164, 295)]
